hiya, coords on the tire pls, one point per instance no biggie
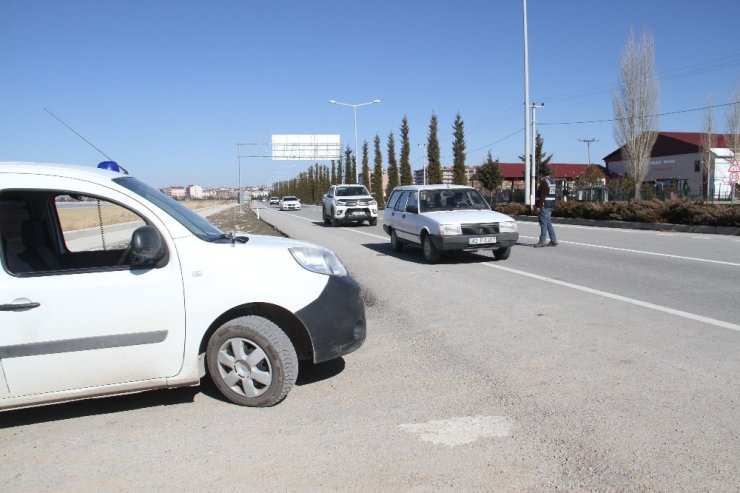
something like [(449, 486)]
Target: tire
[(327, 220), (373, 221), (502, 253), (252, 362), (396, 244), (430, 252), (334, 222)]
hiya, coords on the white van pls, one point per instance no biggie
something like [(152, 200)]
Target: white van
[(154, 295)]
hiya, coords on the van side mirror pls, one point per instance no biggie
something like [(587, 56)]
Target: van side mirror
[(146, 247)]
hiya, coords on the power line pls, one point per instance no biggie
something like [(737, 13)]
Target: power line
[(609, 120)]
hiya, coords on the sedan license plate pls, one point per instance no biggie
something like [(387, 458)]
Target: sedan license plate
[(482, 240)]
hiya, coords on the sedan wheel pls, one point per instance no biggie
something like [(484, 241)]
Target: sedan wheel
[(431, 254), (396, 244), (502, 253)]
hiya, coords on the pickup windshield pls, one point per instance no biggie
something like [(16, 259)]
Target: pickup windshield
[(195, 223), (349, 191)]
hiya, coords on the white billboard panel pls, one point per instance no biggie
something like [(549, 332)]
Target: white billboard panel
[(305, 147)]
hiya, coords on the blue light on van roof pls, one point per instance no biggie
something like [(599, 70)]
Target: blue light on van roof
[(109, 165)]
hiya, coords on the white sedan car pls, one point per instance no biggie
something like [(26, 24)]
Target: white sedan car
[(290, 203)]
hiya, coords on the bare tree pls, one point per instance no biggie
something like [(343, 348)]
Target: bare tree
[(635, 105), (733, 129), (707, 144), (733, 121)]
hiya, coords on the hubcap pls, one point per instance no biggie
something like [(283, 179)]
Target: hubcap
[(244, 367)]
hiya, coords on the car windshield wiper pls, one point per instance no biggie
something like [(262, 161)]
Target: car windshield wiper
[(229, 236)]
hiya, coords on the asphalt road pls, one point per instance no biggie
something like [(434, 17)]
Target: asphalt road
[(609, 363)]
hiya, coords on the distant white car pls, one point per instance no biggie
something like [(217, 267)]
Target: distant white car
[(274, 201), (290, 203), (440, 218)]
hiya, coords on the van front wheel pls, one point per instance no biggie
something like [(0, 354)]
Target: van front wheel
[(252, 362)]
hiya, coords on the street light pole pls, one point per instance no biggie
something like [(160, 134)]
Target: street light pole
[(354, 112), (527, 160)]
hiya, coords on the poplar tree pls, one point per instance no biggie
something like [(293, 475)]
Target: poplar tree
[(365, 165), (458, 152), (349, 175), (407, 177), (635, 105), (392, 164), (434, 167), (378, 174)]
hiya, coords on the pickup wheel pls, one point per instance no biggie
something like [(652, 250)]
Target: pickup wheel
[(373, 221), (327, 220), (502, 253), (396, 244), (252, 362), (430, 252)]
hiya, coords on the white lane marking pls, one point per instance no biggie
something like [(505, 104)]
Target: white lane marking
[(624, 299), (459, 431), (643, 252), (353, 230)]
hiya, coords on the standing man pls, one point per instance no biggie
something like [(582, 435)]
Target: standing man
[(544, 206)]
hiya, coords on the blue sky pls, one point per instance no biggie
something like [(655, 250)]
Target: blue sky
[(168, 88)]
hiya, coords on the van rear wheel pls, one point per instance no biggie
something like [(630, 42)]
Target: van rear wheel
[(252, 362)]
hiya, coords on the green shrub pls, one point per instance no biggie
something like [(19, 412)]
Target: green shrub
[(673, 211)]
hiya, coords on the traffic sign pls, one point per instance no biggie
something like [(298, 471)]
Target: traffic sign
[(734, 167), (734, 177)]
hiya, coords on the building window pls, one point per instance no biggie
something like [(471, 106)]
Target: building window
[(697, 166)]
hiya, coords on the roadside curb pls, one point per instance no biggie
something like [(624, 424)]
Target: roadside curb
[(678, 228)]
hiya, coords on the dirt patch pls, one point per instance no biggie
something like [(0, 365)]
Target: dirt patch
[(242, 219)]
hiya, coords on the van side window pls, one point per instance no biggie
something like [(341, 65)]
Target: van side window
[(45, 232)]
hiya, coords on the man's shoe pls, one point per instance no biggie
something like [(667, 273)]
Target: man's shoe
[(553, 243), (539, 245)]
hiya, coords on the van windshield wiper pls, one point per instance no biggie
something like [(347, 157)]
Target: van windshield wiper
[(229, 236)]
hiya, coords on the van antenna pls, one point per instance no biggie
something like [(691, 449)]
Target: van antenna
[(83, 138)]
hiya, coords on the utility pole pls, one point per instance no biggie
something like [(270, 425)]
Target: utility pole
[(426, 160), (588, 145)]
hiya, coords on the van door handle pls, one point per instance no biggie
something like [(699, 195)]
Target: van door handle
[(20, 305)]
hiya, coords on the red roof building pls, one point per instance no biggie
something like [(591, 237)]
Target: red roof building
[(676, 165)]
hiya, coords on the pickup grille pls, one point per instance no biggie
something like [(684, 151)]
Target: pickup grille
[(479, 229), (355, 202)]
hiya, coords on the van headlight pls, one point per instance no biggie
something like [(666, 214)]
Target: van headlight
[(319, 260), (450, 229), (507, 226)]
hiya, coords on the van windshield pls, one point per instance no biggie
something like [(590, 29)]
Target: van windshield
[(195, 223)]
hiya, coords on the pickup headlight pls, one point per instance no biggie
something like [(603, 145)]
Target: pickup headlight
[(507, 226), (372, 202), (319, 260), (450, 229)]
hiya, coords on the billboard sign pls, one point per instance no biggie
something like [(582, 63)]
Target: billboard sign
[(306, 147)]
